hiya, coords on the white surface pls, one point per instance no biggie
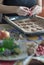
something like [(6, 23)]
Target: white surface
[(10, 58)]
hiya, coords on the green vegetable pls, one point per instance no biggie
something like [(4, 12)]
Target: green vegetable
[(2, 50), (11, 45), (8, 43)]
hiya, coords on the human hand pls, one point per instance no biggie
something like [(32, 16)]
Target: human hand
[(36, 10), (23, 11)]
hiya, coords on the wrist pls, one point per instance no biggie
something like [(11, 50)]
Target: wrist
[(16, 9)]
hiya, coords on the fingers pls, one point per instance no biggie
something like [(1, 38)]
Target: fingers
[(21, 12), (37, 10), (24, 11)]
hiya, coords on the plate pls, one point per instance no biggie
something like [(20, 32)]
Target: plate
[(13, 58), (41, 59), (21, 56)]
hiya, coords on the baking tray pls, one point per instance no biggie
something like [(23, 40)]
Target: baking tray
[(37, 21)]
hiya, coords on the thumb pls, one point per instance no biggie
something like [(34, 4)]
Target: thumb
[(29, 13)]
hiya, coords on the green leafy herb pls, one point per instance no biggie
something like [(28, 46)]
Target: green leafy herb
[(8, 43)]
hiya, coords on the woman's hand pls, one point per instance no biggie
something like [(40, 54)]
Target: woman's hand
[(36, 10), (23, 11)]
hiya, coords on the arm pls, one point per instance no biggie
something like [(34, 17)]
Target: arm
[(39, 2), (7, 9), (38, 8)]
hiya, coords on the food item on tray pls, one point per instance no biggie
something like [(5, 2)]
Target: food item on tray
[(35, 62), (28, 26), (25, 27), (4, 34), (33, 29), (31, 23), (40, 49), (39, 28), (9, 47), (31, 47)]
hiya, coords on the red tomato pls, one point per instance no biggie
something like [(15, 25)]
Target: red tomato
[(4, 34)]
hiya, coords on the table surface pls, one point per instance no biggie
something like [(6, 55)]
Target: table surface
[(10, 62)]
